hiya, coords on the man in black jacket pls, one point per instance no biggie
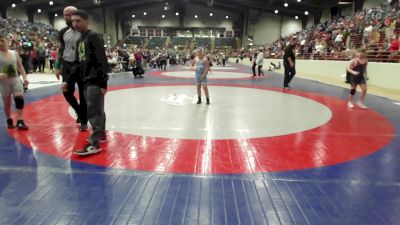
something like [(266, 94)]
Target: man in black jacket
[(94, 68), (289, 63)]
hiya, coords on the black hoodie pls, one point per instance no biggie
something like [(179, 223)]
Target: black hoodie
[(93, 60)]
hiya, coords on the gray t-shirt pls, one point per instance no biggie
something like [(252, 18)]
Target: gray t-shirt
[(71, 38)]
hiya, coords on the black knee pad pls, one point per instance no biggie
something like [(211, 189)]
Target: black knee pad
[(19, 102), (353, 91)]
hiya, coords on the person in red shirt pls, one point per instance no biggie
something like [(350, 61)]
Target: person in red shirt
[(138, 57), (394, 44), (52, 58), (34, 59), (138, 68), (394, 49)]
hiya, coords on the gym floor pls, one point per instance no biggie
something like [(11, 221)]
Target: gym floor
[(256, 155)]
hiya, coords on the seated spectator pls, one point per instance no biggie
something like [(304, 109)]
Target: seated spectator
[(394, 44)]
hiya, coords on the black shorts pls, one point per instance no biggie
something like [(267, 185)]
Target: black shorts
[(353, 79)]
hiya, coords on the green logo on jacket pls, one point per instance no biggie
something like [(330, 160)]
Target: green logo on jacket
[(81, 51)]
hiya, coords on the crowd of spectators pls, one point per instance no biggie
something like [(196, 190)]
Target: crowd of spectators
[(375, 30), (35, 42)]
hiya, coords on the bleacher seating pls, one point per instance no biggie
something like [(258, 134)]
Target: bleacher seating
[(225, 42), (203, 42), (181, 41), (155, 42), (34, 32), (135, 40), (372, 30)]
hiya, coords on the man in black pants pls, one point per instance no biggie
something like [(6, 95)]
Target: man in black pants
[(253, 60), (260, 62), (94, 68), (163, 61), (66, 58), (289, 62)]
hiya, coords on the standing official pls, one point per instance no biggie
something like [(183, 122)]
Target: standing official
[(68, 67), (260, 62), (289, 63)]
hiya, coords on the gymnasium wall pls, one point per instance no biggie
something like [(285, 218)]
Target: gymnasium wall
[(41, 18), (368, 4), (153, 18), (18, 12), (96, 20), (267, 29), (204, 20), (347, 10), (310, 21), (383, 75), (270, 27), (326, 14), (21, 13), (111, 26), (59, 22), (290, 26)]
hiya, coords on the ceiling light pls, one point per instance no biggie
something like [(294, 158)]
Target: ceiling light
[(163, 16), (296, 17), (56, 15), (39, 10), (195, 16), (227, 17), (345, 3), (13, 5), (306, 12), (286, 5), (145, 13), (276, 11), (51, 3), (211, 14), (298, 0), (177, 14), (133, 16)]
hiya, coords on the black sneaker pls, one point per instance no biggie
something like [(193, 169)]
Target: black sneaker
[(21, 125), (84, 127), (199, 102), (88, 150), (10, 124), (208, 101)]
